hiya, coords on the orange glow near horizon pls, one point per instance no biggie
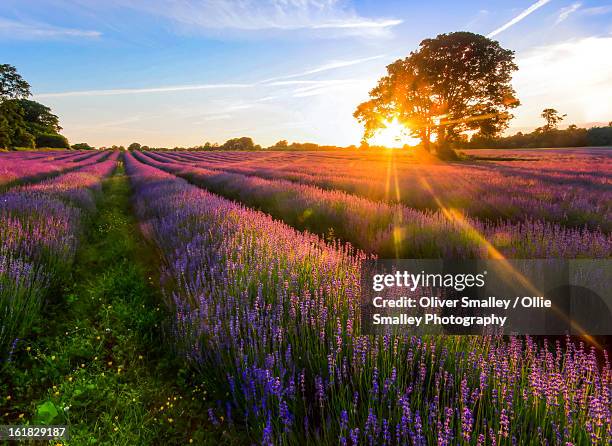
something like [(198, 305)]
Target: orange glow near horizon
[(393, 135)]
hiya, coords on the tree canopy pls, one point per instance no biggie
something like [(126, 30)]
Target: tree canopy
[(451, 84), (12, 85), (82, 146), (552, 118), (25, 123)]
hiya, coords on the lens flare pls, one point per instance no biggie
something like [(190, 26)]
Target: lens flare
[(393, 135)]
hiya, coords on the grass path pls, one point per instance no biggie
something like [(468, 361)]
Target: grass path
[(96, 361)]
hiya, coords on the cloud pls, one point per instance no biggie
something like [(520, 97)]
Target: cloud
[(537, 5), (280, 81), (572, 76), (597, 10), (220, 117), (124, 91), (34, 30), (259, 15), (326, 67), (565, 12)]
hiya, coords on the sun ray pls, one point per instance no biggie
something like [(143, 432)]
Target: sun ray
[(393, 135)]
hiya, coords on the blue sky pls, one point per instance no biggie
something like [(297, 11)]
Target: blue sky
[(182, 72)]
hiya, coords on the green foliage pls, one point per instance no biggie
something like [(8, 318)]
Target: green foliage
[(12, 85), (573, 136), (38, 117), (82, 146), (53, 140), (23, 122), (244, 143), (134, 146), (46, 412), (13, 129)]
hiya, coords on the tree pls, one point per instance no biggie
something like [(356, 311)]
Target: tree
[(244, 143), (281, 145), (52, 140), (134, 146), (82, 146), (454, 83), (24, 122), (13, 131), (552, 118), (12, 85), (38, 117)]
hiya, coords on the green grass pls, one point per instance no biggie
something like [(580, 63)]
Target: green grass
[(97, 360)]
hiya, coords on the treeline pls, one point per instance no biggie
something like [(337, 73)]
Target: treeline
[(245, 143), (548, 135), (572, 136)]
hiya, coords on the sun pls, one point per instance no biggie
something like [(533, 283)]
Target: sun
[(393, 135)]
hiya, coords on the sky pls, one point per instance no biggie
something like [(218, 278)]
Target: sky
[(181, 72)]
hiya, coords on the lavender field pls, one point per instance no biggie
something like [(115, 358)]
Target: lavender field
[(256, 265)]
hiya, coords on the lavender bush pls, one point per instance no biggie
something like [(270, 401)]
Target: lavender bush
[(274, 315), (394, 230), (41, 224)]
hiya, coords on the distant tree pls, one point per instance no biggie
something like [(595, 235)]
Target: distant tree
[(82, 146), (552, 118), (600, 136), (134, 146), (454, 83), (12, 85), (52, 140), (281, 145), (244, 143)]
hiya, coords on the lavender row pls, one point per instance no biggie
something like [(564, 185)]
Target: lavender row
[(271, 315), (26, 167), (41, 225), (394, 230), (573, 194)]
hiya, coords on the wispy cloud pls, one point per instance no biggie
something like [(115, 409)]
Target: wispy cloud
[(332, 65), (280, 81), (258, 15), (597, 10), (14, 29), (565, 12), (537, 5), (124, 91)]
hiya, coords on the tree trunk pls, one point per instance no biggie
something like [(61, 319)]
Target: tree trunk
[(425, 140)]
